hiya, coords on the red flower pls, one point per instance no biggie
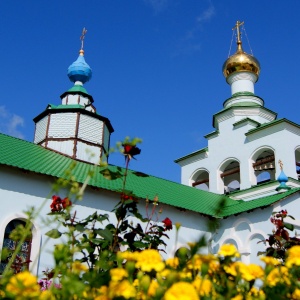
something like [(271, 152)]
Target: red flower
[(66, 202), (168, 224), (58, 204), (131, 150)]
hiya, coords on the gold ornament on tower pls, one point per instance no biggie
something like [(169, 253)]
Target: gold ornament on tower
[(240, 61)]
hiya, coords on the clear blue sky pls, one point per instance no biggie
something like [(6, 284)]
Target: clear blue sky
[(156, 66)]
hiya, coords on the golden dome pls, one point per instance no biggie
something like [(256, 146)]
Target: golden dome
[(240, 61)]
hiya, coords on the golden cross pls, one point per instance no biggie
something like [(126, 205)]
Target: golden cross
[(84, 31), (238, 33), (280, 164)]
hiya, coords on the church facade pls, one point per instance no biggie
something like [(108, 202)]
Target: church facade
[(239, 168)]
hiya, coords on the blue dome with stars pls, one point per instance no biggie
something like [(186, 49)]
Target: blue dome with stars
[(79, 70)]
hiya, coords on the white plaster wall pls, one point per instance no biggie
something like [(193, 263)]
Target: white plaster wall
[(19, 191), (246, 229), (231, 143)]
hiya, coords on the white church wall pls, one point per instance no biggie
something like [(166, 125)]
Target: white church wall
[(88, 153), (283, 139), (246, 230), (22, 191), (66, 147), (40, 130), (90, 129), (62, 125)]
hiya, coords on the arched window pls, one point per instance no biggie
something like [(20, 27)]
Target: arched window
[(263, 163), (10, 244), (230, 176), (200, 180), (297, 159)]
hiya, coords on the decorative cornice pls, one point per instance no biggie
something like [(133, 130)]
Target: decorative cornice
[(201, 151), (49, 111)]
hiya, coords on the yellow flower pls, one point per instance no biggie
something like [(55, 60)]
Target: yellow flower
[(182, 291), (102, 293), (234, 268), (118, 274), (268, 260), (128, 255), (152, 288), (46, 295), (228, 250), (172, 262), (252, 272), (23, 285), (237, 297), (296, 294), (121, 289), (293, 256), (149, 260), (77, 267), (254, 293), (278, 275), (195, 263), (203, 286)]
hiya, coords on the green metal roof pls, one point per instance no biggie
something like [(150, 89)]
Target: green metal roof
[(28, 156), (65, 106), (78, 88), (243, 206)]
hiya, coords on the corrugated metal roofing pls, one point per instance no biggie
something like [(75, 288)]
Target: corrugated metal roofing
[(28, 156)]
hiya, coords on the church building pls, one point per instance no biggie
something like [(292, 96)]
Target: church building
[(251, 165)]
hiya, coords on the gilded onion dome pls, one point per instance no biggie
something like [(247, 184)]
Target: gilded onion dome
[(240, 61)]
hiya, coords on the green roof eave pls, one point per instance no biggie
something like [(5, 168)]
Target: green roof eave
[(203, 150), (78, 90), (248, 103), (270, 124), (212, 134), (246, 206)]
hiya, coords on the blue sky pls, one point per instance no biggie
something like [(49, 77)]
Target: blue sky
[(156, 66)]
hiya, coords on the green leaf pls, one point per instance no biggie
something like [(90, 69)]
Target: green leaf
[(54, 234), (79, 227), (139, 245), (288, 226), (106, 234)]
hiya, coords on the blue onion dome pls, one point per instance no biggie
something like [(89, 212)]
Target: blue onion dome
[(79, 70), (282, 178)]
